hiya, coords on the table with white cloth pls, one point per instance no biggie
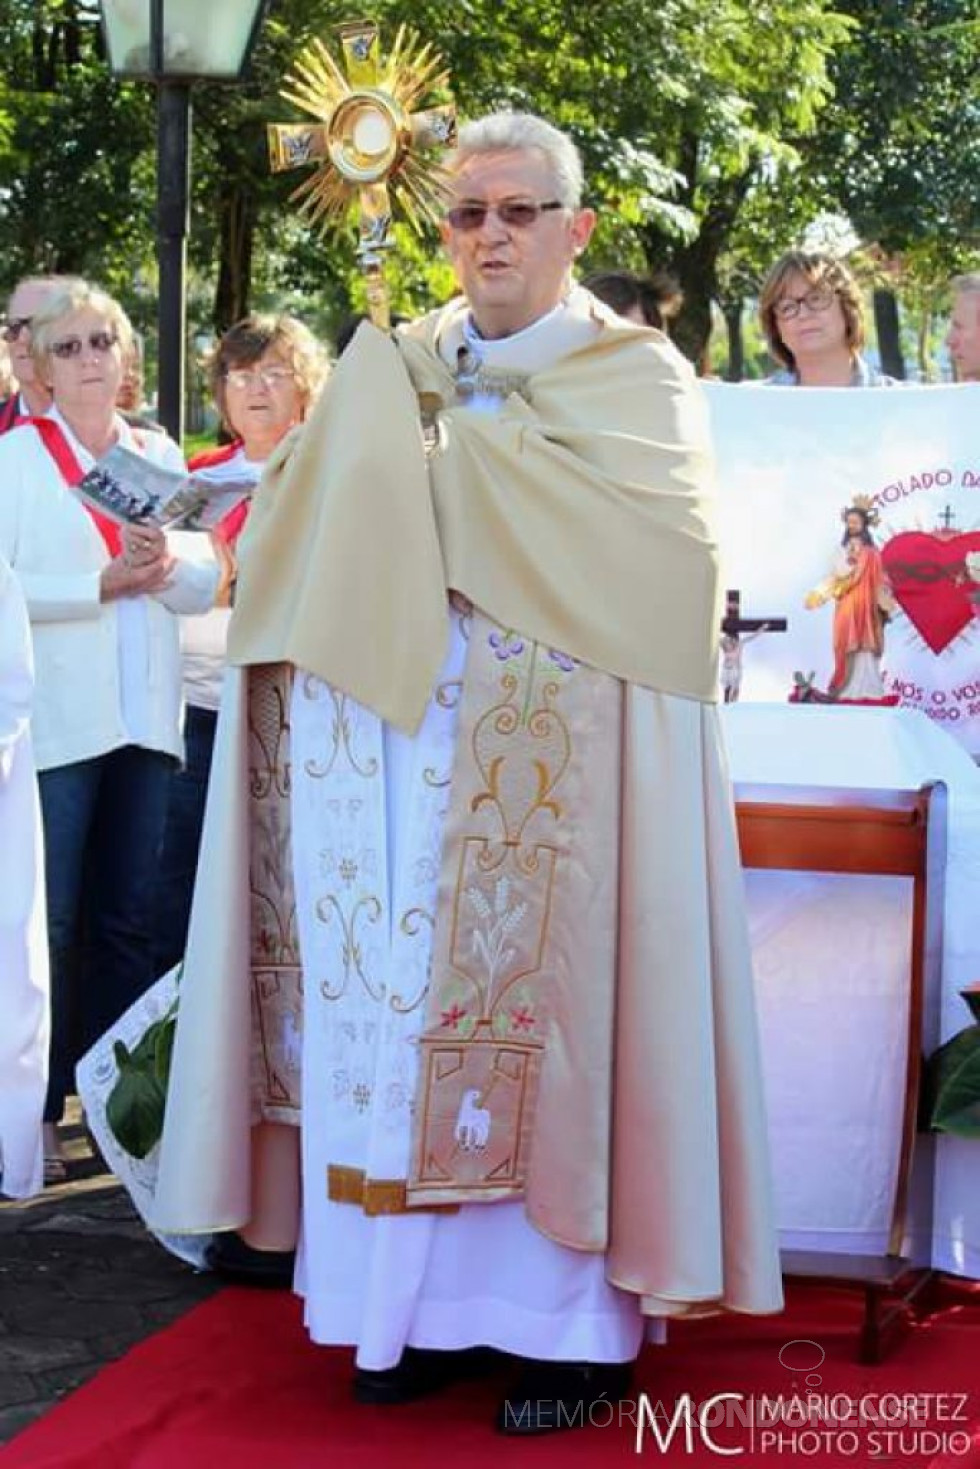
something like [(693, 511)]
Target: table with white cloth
[(831, 955)]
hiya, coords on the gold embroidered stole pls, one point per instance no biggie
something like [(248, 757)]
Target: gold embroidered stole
[(277, 993), (520, 1010)]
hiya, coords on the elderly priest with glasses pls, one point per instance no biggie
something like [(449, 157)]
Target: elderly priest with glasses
[(532, 1116)]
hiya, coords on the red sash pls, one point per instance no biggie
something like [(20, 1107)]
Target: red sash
[(231, 526), (208, 458), (53, 439)]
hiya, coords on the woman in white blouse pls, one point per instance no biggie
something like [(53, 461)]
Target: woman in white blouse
[(102, 603)]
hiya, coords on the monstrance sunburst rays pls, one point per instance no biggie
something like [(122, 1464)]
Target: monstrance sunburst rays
[(370, 145)]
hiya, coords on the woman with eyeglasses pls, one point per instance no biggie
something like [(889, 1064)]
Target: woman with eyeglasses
[(102, 601), (264, 374), (812, 315)]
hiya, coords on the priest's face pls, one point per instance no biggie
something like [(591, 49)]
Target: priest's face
[(515, 269)]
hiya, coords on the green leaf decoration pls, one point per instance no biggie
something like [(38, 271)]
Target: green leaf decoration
[(954, 1083), (134, 1110), (972, 997), (135, 1106)]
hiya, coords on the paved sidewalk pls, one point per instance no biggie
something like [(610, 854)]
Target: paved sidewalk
[(80, 1283)]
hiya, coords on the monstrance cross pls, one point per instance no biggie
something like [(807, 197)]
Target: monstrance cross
[(369, 143)]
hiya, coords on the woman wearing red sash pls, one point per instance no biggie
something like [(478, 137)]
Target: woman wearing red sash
[(102, 601), (264, 375)]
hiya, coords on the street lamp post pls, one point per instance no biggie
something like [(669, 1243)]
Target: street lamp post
[(174, 43)]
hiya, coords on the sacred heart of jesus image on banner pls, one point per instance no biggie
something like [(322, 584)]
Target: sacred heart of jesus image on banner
[(929, 574), (789, 461)]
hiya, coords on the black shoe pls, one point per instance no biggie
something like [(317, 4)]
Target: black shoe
[(230, 1257), (549, 1396), (420, 1372)]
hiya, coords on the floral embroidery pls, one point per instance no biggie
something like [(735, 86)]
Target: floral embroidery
[(564, 661), (453, 1016), (522, 1019), (506, 644)]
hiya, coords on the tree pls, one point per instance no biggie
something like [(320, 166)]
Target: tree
[(899, 145), (73, 181), (750, 83)]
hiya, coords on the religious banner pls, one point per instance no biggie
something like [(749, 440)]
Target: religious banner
[(855, 515)]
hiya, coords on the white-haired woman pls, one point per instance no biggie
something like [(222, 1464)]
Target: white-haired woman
[(102, 602)]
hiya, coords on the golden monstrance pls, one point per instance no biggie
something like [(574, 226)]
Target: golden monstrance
[(369, 143)]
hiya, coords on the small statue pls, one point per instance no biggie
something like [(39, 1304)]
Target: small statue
[(730, 673), (863, 604)]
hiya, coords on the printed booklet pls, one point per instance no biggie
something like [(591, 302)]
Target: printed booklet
[(132, 491)]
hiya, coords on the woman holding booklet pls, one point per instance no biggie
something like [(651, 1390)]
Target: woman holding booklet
[(103, 600)]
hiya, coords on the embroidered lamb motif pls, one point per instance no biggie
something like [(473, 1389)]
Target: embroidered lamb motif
[(472, 1130)]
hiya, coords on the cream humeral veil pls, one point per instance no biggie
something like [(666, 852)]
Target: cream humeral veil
[(577, 516)]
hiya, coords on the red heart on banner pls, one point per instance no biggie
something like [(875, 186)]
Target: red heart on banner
[(929, 579)]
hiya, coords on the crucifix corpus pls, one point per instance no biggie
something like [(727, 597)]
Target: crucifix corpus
[(369, 143), (736, 631)]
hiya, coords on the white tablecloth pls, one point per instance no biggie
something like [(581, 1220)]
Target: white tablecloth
[(831, 957)]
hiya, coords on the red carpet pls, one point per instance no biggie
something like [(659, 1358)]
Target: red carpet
[(236, 1384)]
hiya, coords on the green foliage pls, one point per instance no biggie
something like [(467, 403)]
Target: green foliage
[(712, 135), (135, 1106), (900, 143), (74, 147), (952, 1080)]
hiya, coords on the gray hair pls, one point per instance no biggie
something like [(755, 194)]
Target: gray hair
[(967, 285), (511, 132), (74, 296)]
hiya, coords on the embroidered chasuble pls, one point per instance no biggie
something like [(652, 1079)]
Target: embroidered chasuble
[(517, 887), (277, 990)]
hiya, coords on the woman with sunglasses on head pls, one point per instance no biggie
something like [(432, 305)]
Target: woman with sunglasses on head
[(102, 600), (812, 315)]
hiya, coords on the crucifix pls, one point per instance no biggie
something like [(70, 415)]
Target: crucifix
[(369, 143), (946, 520), (734, 623), (736, 631)]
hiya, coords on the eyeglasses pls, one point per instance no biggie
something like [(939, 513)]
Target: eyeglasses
[(270, 377), (68, 347), (14, 325), (518, 214), (817, 299)]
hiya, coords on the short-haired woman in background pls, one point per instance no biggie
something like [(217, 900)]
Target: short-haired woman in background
[(812, 316), (264, 375)]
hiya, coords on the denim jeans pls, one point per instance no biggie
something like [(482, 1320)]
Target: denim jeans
[(103, 827), (174, 886)]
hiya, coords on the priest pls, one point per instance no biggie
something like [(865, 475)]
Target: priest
[(531, 1103)]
